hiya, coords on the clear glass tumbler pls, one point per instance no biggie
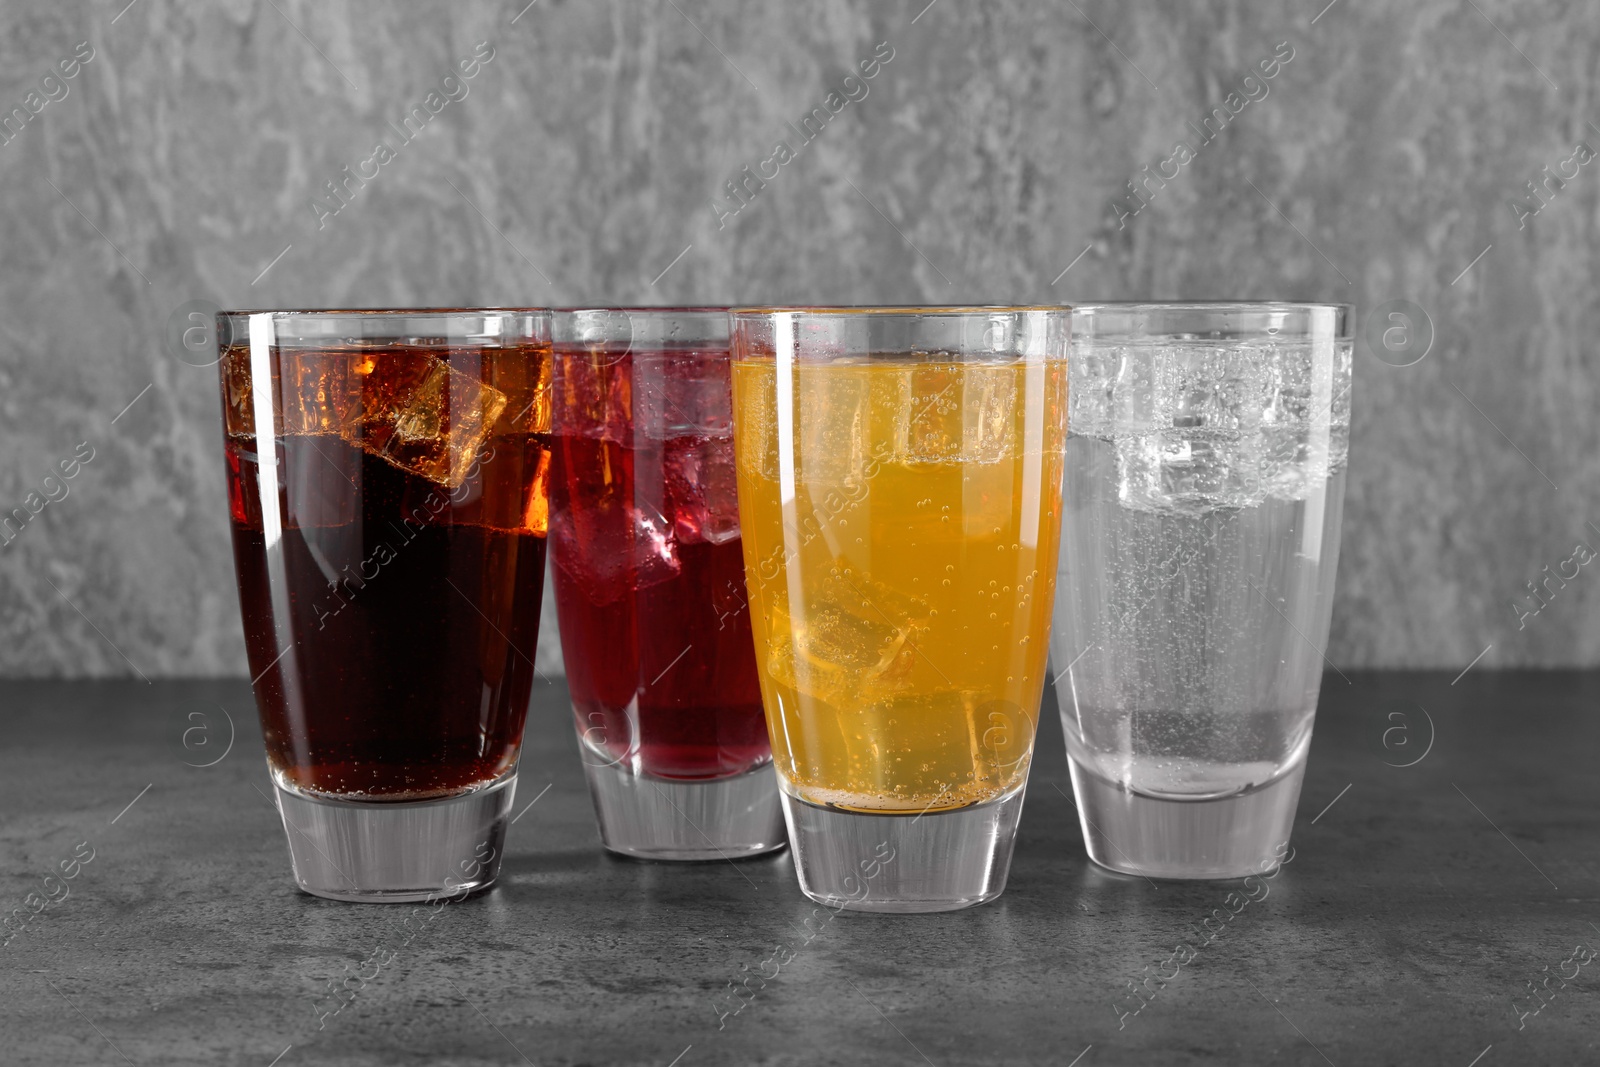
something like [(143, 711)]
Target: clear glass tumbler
[(899, 493), (649, 584), (386, 480), (1204, 487)]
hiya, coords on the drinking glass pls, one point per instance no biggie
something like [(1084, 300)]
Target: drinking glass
[(649, 584), (900, 497), (386, 480), (1204, 486)]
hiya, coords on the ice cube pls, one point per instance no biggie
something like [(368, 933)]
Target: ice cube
[(317, 390), (536, 495), (1306, 423), (1187, 420), (955, 412), (594, 393), (238, 410), (833, 423), (757, 427), (612, 547), (854, 644), (523, 373), (681, 391), (313, 392), (421, 414), (1188, 471), (1102, 376), (1200, 425), (1339, 409), (989, 411), (702, 493)]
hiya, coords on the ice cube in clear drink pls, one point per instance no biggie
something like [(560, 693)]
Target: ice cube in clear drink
[(1187, 420)]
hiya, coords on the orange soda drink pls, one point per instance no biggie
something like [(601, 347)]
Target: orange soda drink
[(901, 514)]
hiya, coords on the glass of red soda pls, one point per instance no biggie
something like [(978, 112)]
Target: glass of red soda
[(649, 585)]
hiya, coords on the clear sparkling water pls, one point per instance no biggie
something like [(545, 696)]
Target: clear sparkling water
[(1203, 493)]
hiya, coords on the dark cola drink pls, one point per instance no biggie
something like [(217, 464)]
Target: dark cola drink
[(390, 557)]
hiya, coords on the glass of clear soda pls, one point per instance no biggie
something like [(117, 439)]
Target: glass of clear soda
[(1205, 472)]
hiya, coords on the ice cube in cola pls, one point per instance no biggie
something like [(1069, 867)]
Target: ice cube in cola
[(422, 415)]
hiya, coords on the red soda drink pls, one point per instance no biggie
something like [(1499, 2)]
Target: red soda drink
[(649, 583)]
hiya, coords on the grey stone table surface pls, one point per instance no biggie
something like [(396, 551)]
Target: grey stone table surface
[(1420, 903)]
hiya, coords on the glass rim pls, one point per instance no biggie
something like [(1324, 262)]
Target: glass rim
[(684, 309), (422, 312), (894, 310), (1235, 321), (1213, 305), (642, 330)]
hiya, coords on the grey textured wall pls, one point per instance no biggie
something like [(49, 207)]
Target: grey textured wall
[(1386, 155)]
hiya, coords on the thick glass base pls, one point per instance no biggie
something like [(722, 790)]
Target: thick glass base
[(935, 861), (1162, 837), (397, 852), (667, 819)]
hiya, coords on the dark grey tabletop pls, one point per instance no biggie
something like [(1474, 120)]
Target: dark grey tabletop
[(1420, 904)]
